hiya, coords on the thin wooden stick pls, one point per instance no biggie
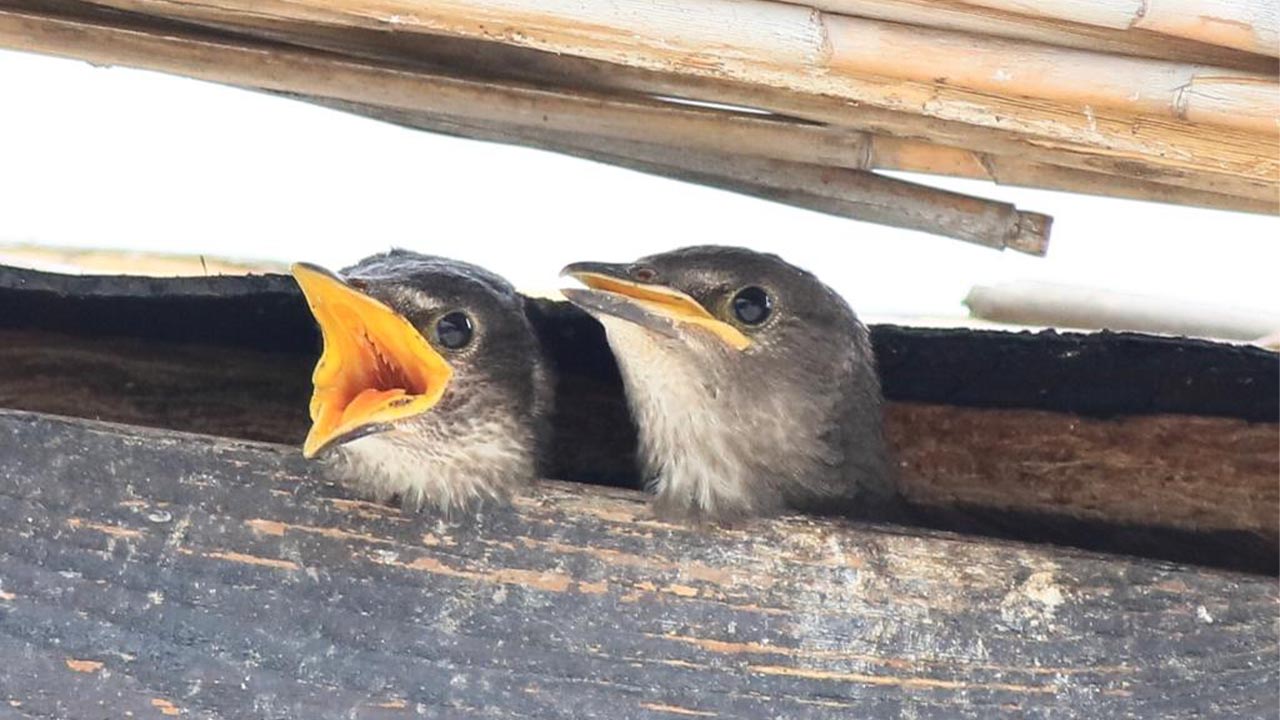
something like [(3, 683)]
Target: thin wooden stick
[(845, 193), (763, 44)]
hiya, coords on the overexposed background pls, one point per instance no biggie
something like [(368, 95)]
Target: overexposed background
[(114, 158)]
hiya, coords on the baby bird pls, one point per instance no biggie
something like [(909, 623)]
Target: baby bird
[(432, 386), (753, 384)]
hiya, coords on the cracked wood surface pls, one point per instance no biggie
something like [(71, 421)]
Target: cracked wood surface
[(159, 573)]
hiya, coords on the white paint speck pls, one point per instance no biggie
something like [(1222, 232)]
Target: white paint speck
[(1002, 75), (1202, 614), (1091, 118)]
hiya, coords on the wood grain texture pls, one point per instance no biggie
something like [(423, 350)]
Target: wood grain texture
[(156, 573), (1192, 473)]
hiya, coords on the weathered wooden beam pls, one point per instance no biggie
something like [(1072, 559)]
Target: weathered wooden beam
[(1012, 472), (152, 572), (1122, 443)]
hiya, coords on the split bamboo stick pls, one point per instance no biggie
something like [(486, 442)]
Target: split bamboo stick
[(1026, 23), (1249, 25), (1090, 80), (764, 44), (834, 191)]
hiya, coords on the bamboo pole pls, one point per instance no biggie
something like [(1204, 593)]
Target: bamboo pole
[(1134, 86), (1249, 25), (763, 44), (1037, 303), (689, 131), (459, 56), (1025, 23), (1126, 175), (845, 193), (302, 71)]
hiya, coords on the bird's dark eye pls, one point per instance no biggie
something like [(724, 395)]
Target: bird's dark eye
[(644, 273), (454, 330), (752, 305)]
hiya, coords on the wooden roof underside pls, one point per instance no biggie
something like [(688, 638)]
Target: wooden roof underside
[(796, 104)]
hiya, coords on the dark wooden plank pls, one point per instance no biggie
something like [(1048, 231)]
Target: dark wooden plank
[(1099, 374), (231, 356), (143, 571)]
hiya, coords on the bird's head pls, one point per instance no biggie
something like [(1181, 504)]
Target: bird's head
[(421, 350), (753, 384), (724, 306)]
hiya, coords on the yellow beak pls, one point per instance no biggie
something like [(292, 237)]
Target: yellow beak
[(376, 367), (660, 300)]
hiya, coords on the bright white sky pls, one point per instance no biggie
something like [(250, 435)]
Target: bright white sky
[(97, 157)]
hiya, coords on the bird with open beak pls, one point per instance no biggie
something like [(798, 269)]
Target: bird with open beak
[(753, 384), (431, 386)]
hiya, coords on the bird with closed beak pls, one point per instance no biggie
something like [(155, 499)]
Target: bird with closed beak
[(431, 387), (752, 384)]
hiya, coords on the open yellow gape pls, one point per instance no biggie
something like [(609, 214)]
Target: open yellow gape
[(376, 367)]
